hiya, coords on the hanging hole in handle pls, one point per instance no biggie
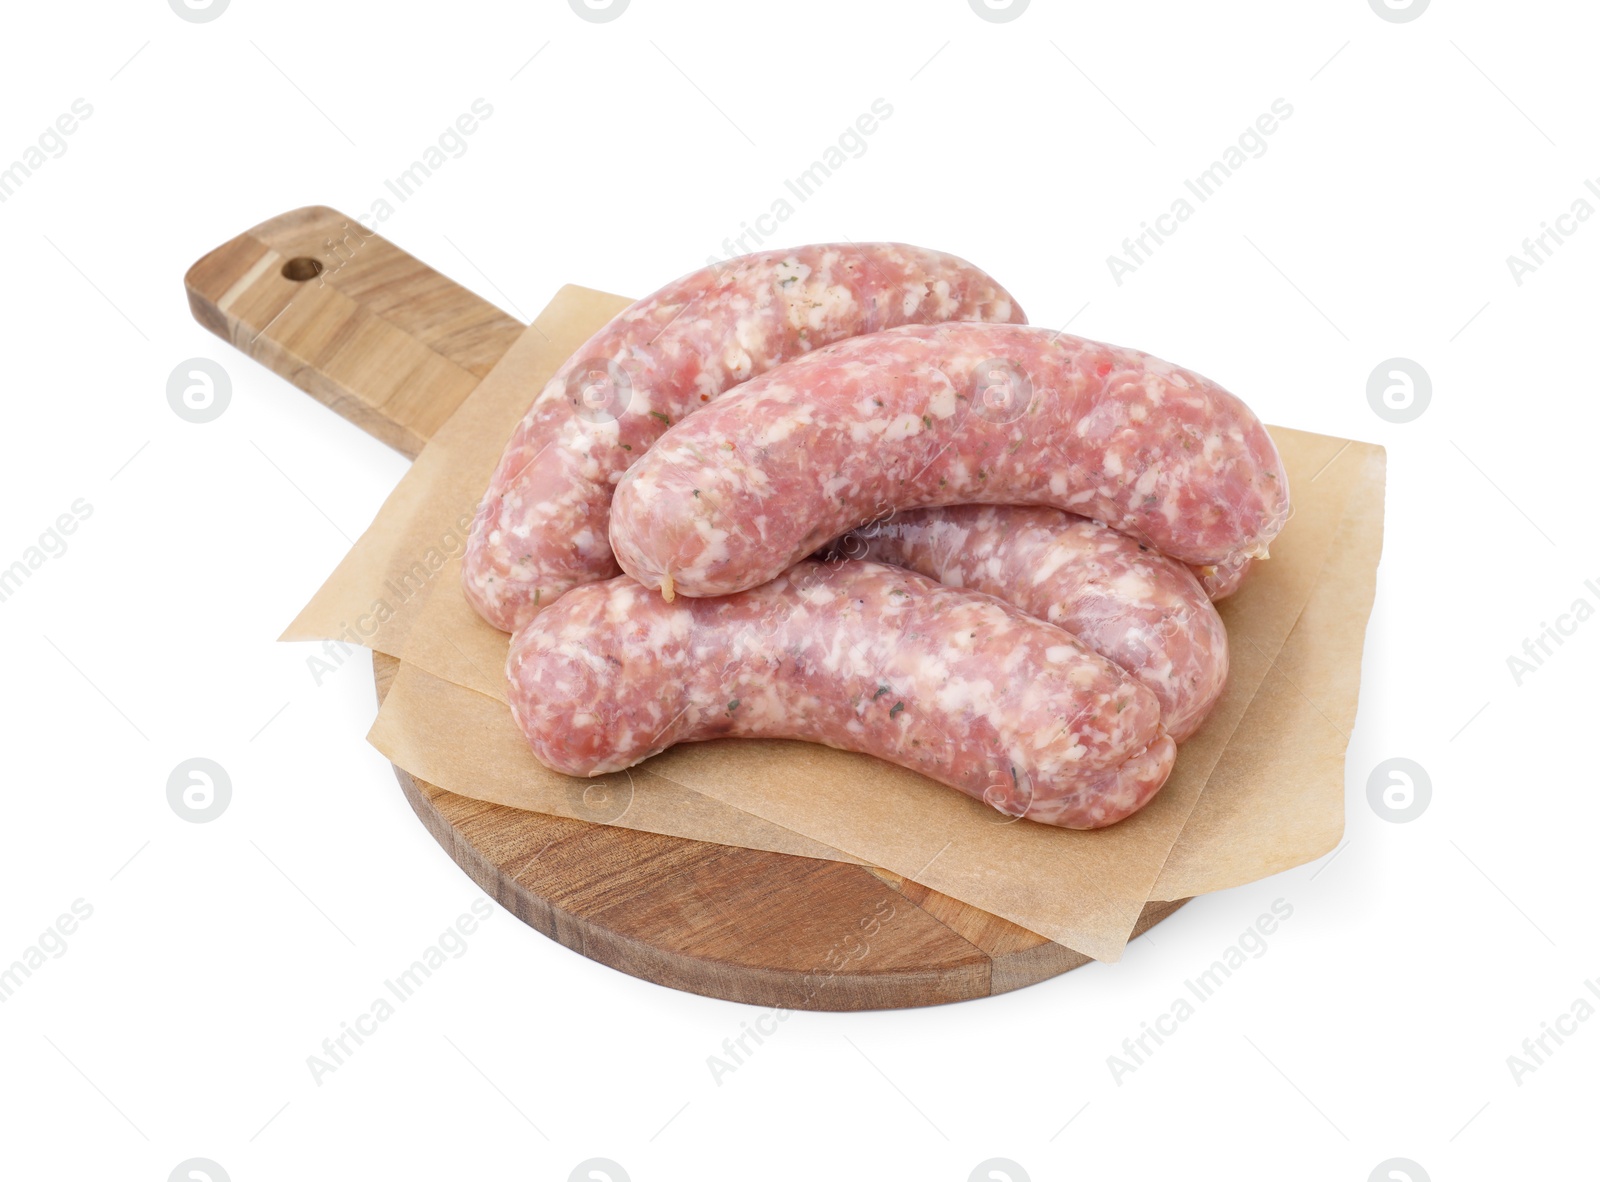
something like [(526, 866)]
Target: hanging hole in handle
[(302, 269)]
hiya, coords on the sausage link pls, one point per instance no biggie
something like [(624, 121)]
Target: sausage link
[(542, 526), (1135, 607), (945, 415), (962, 687)]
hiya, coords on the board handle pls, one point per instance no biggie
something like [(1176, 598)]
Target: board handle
[(353, 320)]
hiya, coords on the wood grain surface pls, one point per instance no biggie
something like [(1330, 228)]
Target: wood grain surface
[(395, 347), (351, 319)]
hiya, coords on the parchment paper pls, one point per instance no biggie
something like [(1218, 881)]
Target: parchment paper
[(374, 595), (1275, 799), (414, 546), (444, 734)]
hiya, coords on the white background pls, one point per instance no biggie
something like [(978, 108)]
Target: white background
[(1377, 224)]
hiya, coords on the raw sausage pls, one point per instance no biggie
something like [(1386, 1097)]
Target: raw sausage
[(1135, 607), (953, 414), (959, 686), (956, 685), (541, 527)]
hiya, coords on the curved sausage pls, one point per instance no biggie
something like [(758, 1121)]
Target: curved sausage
[(541, 527), (1137, 608), (959, 686), (947, 415)]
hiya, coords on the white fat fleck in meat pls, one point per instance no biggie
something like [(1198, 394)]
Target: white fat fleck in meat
[(863, 431), (780, 428), (1073, 754), (713, 541), (902, 427), (673, 628), (646, 488), (1083, 674), (581, 652), (1016, 659), (1052, 560), (830, 304), (707, 385), (756, 481), (753, 337), (960, 698), (1132, 587)]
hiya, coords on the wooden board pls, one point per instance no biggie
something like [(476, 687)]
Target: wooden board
[(353, 320), (395, 347)]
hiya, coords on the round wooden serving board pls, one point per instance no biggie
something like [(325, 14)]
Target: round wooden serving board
[(396, 347)]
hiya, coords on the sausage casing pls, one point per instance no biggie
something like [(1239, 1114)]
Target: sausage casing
[(1137, 608), (962, 687), (946, 415)]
